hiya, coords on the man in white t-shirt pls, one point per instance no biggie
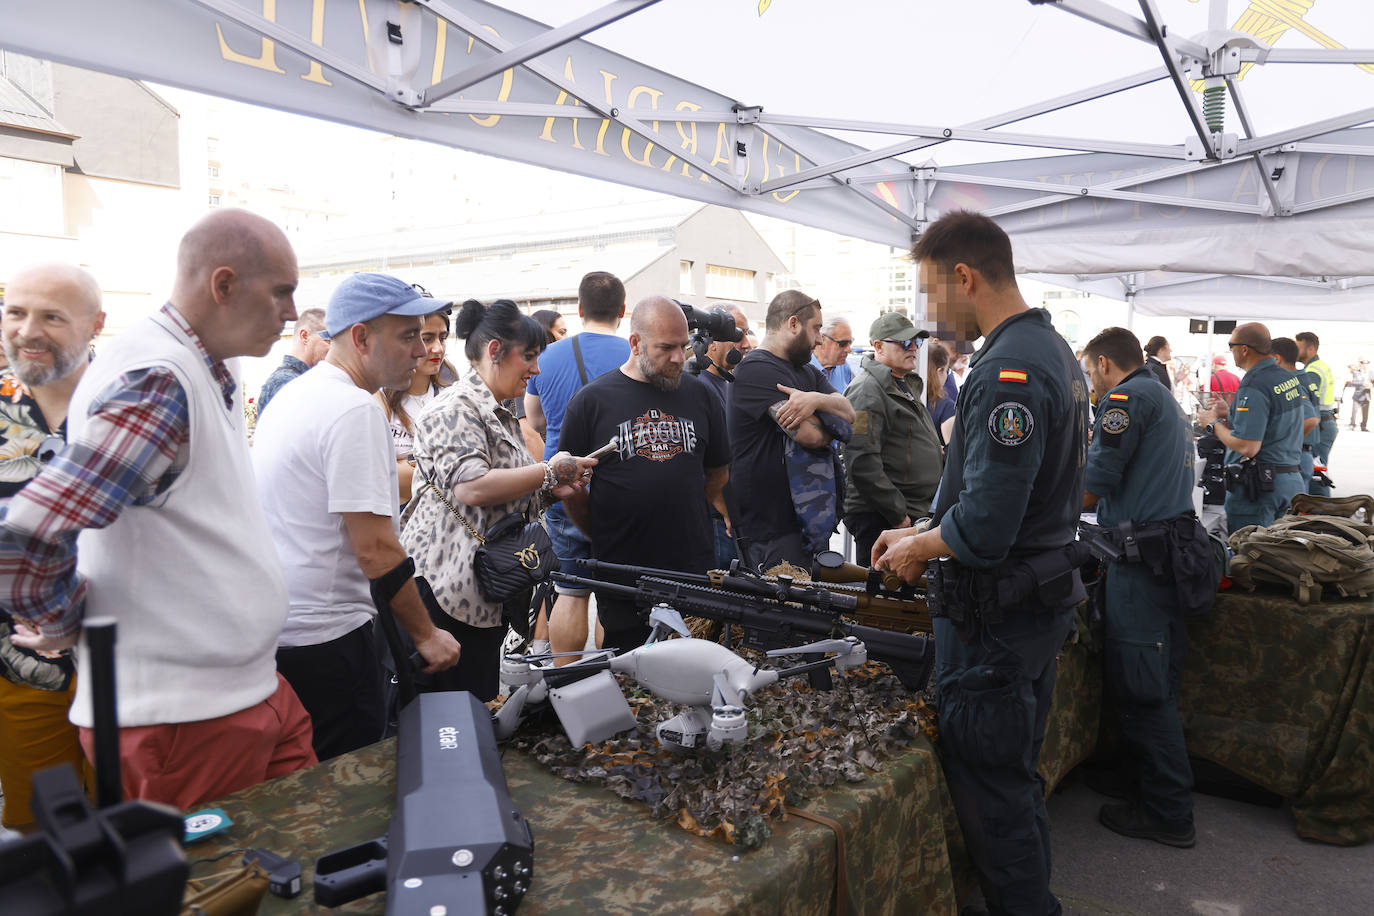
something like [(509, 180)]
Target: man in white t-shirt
[(327, 480)]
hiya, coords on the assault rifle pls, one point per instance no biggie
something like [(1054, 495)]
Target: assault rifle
[(770, 612)]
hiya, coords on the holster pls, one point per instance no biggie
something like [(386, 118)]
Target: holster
[(972, 599)]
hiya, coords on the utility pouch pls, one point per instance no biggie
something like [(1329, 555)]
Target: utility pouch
[(1266, 475)]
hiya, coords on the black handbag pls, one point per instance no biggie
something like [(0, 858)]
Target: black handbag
[(511, 558)]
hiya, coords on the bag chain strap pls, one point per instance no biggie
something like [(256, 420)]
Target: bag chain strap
[(444, 499)]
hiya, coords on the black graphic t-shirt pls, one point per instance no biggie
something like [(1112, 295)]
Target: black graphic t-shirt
[(646, 500)]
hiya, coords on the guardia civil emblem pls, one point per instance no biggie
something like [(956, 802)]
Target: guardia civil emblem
[(1010, 423), (1115, 420)]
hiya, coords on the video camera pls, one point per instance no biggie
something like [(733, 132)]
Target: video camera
[(708, 326)]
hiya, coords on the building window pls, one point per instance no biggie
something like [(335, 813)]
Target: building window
[(214, 171), (214, 200), (684, 283), (729, 283)]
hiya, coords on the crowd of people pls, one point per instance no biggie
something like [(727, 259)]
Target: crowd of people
[(245, 579)]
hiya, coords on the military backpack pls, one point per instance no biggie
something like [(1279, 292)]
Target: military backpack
[(1309, 553)]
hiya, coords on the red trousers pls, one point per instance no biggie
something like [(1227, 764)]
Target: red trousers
[(187, 763)]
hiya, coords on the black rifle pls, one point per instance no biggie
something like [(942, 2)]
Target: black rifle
[(771, 614)]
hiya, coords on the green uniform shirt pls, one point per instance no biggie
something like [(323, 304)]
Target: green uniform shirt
[(892, 463), (1268, 409), (1140, 462)]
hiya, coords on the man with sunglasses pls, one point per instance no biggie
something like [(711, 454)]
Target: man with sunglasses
[(1263, 432), (892, 463), (832, 352), (50, 316)]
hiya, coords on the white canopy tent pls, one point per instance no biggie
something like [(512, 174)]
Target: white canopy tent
[(1208, 207)]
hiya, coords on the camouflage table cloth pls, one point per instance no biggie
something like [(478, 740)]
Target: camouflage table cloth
[(595, 852), (1284, 695)]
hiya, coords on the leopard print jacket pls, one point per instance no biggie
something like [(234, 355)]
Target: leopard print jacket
[(460, 436)]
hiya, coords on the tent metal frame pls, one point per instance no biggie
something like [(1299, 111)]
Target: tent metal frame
[(1179, 55)]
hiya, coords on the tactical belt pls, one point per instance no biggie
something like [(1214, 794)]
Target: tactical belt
[(973, 598), (1328, 414), (1307, 448), (1283, 468)]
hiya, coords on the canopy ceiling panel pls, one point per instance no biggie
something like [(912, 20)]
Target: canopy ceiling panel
[(1209, 192)]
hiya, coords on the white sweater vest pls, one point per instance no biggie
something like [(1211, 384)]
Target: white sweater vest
[(192, 578)]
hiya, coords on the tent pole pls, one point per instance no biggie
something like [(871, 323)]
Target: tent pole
[(1130, 310)]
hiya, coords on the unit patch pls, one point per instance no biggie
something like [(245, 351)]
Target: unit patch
[(1115, 421), (1011, 424)]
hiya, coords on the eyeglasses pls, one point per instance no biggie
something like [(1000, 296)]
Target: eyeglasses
[(904, 344), (1231, 344), (848, 341)]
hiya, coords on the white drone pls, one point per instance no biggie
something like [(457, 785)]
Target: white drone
[(712, 681)]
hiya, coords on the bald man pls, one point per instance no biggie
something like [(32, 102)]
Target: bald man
[(1262, 431), (157, 483), (644, 505), (51, 314)]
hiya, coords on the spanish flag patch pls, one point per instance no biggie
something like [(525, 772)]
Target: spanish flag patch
[(1012, 375), (1242, 409), (1118, 396)]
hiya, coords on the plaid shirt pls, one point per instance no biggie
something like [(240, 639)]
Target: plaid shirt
[(132, 449)]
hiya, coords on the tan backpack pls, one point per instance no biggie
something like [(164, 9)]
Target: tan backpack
[(1310, 553)]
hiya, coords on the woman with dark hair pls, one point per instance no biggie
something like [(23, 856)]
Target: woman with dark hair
[(403, 405), (552, 323), (469, 451), (939, 403)]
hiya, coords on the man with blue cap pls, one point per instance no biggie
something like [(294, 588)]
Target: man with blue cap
[(327, 480)]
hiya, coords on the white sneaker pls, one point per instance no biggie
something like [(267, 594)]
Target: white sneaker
[(539, 647)]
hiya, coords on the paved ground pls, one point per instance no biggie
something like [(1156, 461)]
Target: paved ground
[(1247, 862)]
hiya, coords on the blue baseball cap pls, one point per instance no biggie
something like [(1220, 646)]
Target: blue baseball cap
[(364, 296)]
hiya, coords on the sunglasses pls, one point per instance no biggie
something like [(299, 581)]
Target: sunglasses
[(844, 343), (911, 344)]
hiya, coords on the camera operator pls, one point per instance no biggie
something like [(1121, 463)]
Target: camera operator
[(718, 378), (1263, 432)]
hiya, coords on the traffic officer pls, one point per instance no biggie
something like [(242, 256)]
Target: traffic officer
[(1264, 429), (892, 463), (1008, 503), (1326, 404), (1140, 473), (1286, 355)]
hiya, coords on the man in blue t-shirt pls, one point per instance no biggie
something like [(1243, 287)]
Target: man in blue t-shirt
[(831, 353), (563, 369)]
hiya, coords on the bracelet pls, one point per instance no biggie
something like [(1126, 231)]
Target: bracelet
[(550, 481)]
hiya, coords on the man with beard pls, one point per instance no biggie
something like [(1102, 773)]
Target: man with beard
[(644, 504), (778, 397), (51, 315)]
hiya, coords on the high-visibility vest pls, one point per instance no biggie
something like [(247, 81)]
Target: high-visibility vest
[(1326, 395)]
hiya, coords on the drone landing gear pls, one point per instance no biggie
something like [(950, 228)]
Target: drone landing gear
[(699, 727)]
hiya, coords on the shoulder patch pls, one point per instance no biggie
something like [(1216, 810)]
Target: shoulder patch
[(1116, 421), (1012, 375), (1118, 396), (1011, 423), (861, 423)]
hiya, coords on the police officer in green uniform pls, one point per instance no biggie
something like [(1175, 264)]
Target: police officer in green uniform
[(1308, 344), (1003, 586), (1286, 355), (1263, 432), (1140, 479)]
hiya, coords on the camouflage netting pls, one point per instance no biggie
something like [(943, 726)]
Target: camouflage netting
[(800, 742)]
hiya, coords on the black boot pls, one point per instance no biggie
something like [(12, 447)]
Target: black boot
[(1136, 821)]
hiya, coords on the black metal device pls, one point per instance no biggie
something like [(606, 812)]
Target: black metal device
[(457, 842), (123, 859), (708, 326)]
